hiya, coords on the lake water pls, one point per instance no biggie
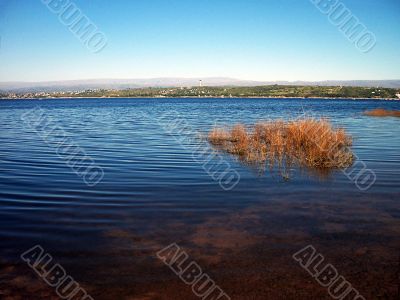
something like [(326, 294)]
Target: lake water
[(154, 193)]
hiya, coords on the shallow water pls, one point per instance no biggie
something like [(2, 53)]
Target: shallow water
[(154, 193)]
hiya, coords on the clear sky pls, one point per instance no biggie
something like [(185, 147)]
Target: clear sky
[(245, 39)]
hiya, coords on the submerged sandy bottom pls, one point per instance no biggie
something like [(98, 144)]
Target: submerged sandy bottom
[(248, 253)]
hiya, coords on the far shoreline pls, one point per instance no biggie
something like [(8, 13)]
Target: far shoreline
[(202, 97)]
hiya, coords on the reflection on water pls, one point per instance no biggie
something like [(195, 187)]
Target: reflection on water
[(153, 194)]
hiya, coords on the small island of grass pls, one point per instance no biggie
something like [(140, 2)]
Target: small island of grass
[(381, 112), (310, 143)]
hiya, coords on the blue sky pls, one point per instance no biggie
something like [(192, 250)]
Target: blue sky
[(245, 39)]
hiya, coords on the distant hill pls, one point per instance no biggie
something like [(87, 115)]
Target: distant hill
[(120, 84), (395, 84)]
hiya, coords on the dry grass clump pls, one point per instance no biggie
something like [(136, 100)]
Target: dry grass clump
[(381, 112), (218, 136), (306, 142)]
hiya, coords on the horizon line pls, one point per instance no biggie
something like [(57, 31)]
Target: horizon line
[(199, 78)]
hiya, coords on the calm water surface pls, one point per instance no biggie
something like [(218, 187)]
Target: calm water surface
[(153, 194)]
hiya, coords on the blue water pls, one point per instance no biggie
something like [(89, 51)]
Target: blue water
[(154, 192)]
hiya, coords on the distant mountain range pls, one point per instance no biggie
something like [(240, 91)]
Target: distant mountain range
[(120, 84)]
